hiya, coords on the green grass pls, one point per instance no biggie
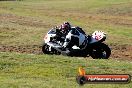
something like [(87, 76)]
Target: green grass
[(42, 71)]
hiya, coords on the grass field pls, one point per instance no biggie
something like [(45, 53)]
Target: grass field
[(24, 23)]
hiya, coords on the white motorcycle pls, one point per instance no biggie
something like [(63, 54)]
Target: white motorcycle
[(95, 46)]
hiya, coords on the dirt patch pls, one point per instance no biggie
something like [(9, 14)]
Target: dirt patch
[(121, 52), (118, 21), (31, 49)]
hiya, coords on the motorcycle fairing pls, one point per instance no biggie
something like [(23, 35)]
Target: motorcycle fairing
[(97, 36)]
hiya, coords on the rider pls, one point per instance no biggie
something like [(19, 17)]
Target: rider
[(73, 36)]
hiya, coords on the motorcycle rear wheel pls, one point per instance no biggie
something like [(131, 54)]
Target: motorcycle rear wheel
[(100, 51)]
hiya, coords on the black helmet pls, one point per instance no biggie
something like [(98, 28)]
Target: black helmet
[(65, 27)]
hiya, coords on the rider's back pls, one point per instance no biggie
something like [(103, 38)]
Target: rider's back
[(77, 37)]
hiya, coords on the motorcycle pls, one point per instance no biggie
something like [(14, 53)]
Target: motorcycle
[(95, 46)]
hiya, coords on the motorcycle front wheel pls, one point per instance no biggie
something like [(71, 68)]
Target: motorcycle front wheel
[(45, 49)]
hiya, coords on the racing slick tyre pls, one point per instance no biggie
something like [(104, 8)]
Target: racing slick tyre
[(45, 49), (100, 51)]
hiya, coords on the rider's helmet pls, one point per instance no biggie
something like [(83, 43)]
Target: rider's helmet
[(65, 27)]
